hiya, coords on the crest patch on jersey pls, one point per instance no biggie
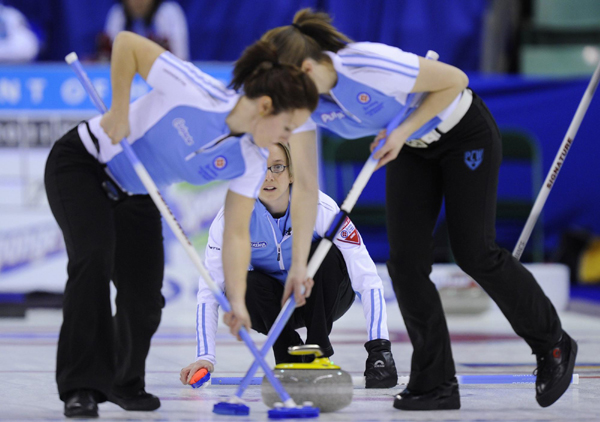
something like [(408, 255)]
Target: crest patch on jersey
[(220, 162), (348, 233), (363, 97), (473, 158)]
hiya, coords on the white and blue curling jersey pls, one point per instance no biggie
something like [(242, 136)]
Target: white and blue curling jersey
[(179, 133), (271, 244), (374, 81)]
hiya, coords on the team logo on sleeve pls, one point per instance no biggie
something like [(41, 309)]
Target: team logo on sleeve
[(220, 162), (348, 233), (474, 158), (363, 97)]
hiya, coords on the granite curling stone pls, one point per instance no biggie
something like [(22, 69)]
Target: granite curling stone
[(320, 382)]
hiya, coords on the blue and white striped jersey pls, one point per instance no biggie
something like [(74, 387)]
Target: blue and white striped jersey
[(374, 81), (179, 133), (271, 242)]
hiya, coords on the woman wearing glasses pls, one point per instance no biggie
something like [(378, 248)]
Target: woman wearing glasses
[(348, 268)]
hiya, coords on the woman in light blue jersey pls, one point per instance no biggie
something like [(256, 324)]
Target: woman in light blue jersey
[(347, 268), (192, 128), (446, 147)]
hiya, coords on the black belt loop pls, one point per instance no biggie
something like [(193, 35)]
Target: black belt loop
[(109, 185), (94, 139)]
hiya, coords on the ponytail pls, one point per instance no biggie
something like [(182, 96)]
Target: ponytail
[(258, 72), (310, 34), (318, 26), (259, 57)]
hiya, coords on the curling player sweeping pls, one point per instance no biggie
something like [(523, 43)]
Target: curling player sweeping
[(104, 187), (447, 149)]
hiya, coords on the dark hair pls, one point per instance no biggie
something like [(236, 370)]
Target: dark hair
[(259, 72), (308, 36)]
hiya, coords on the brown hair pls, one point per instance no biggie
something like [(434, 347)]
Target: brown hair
[(308, 36), (259, 72), (288, 157)]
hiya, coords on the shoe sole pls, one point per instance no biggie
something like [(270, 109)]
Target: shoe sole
[(551, 396), (81, 415), (149, 407), (449, 403), (381, 384)]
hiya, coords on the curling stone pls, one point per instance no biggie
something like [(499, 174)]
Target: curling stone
[(320, 382)]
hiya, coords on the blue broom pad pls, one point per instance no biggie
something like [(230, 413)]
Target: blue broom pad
[(225, 408), (304, 412)]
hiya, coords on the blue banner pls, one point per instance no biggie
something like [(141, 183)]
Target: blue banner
[(55, 87)]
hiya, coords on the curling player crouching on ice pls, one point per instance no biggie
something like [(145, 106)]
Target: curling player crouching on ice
[(348, 268)]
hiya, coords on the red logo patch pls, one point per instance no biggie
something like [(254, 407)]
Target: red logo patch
[(220, 163), (348, 233), (364, 98), (556, 353)]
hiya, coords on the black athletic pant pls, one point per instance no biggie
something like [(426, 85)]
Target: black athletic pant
[(416, 183), (106, 239), (331, 297)]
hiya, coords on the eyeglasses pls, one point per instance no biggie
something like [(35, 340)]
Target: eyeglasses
[(277, 168)]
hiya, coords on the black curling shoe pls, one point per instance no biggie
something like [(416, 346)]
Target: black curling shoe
[(141, 401), (555, 370), (443, 397), (81, 404)]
